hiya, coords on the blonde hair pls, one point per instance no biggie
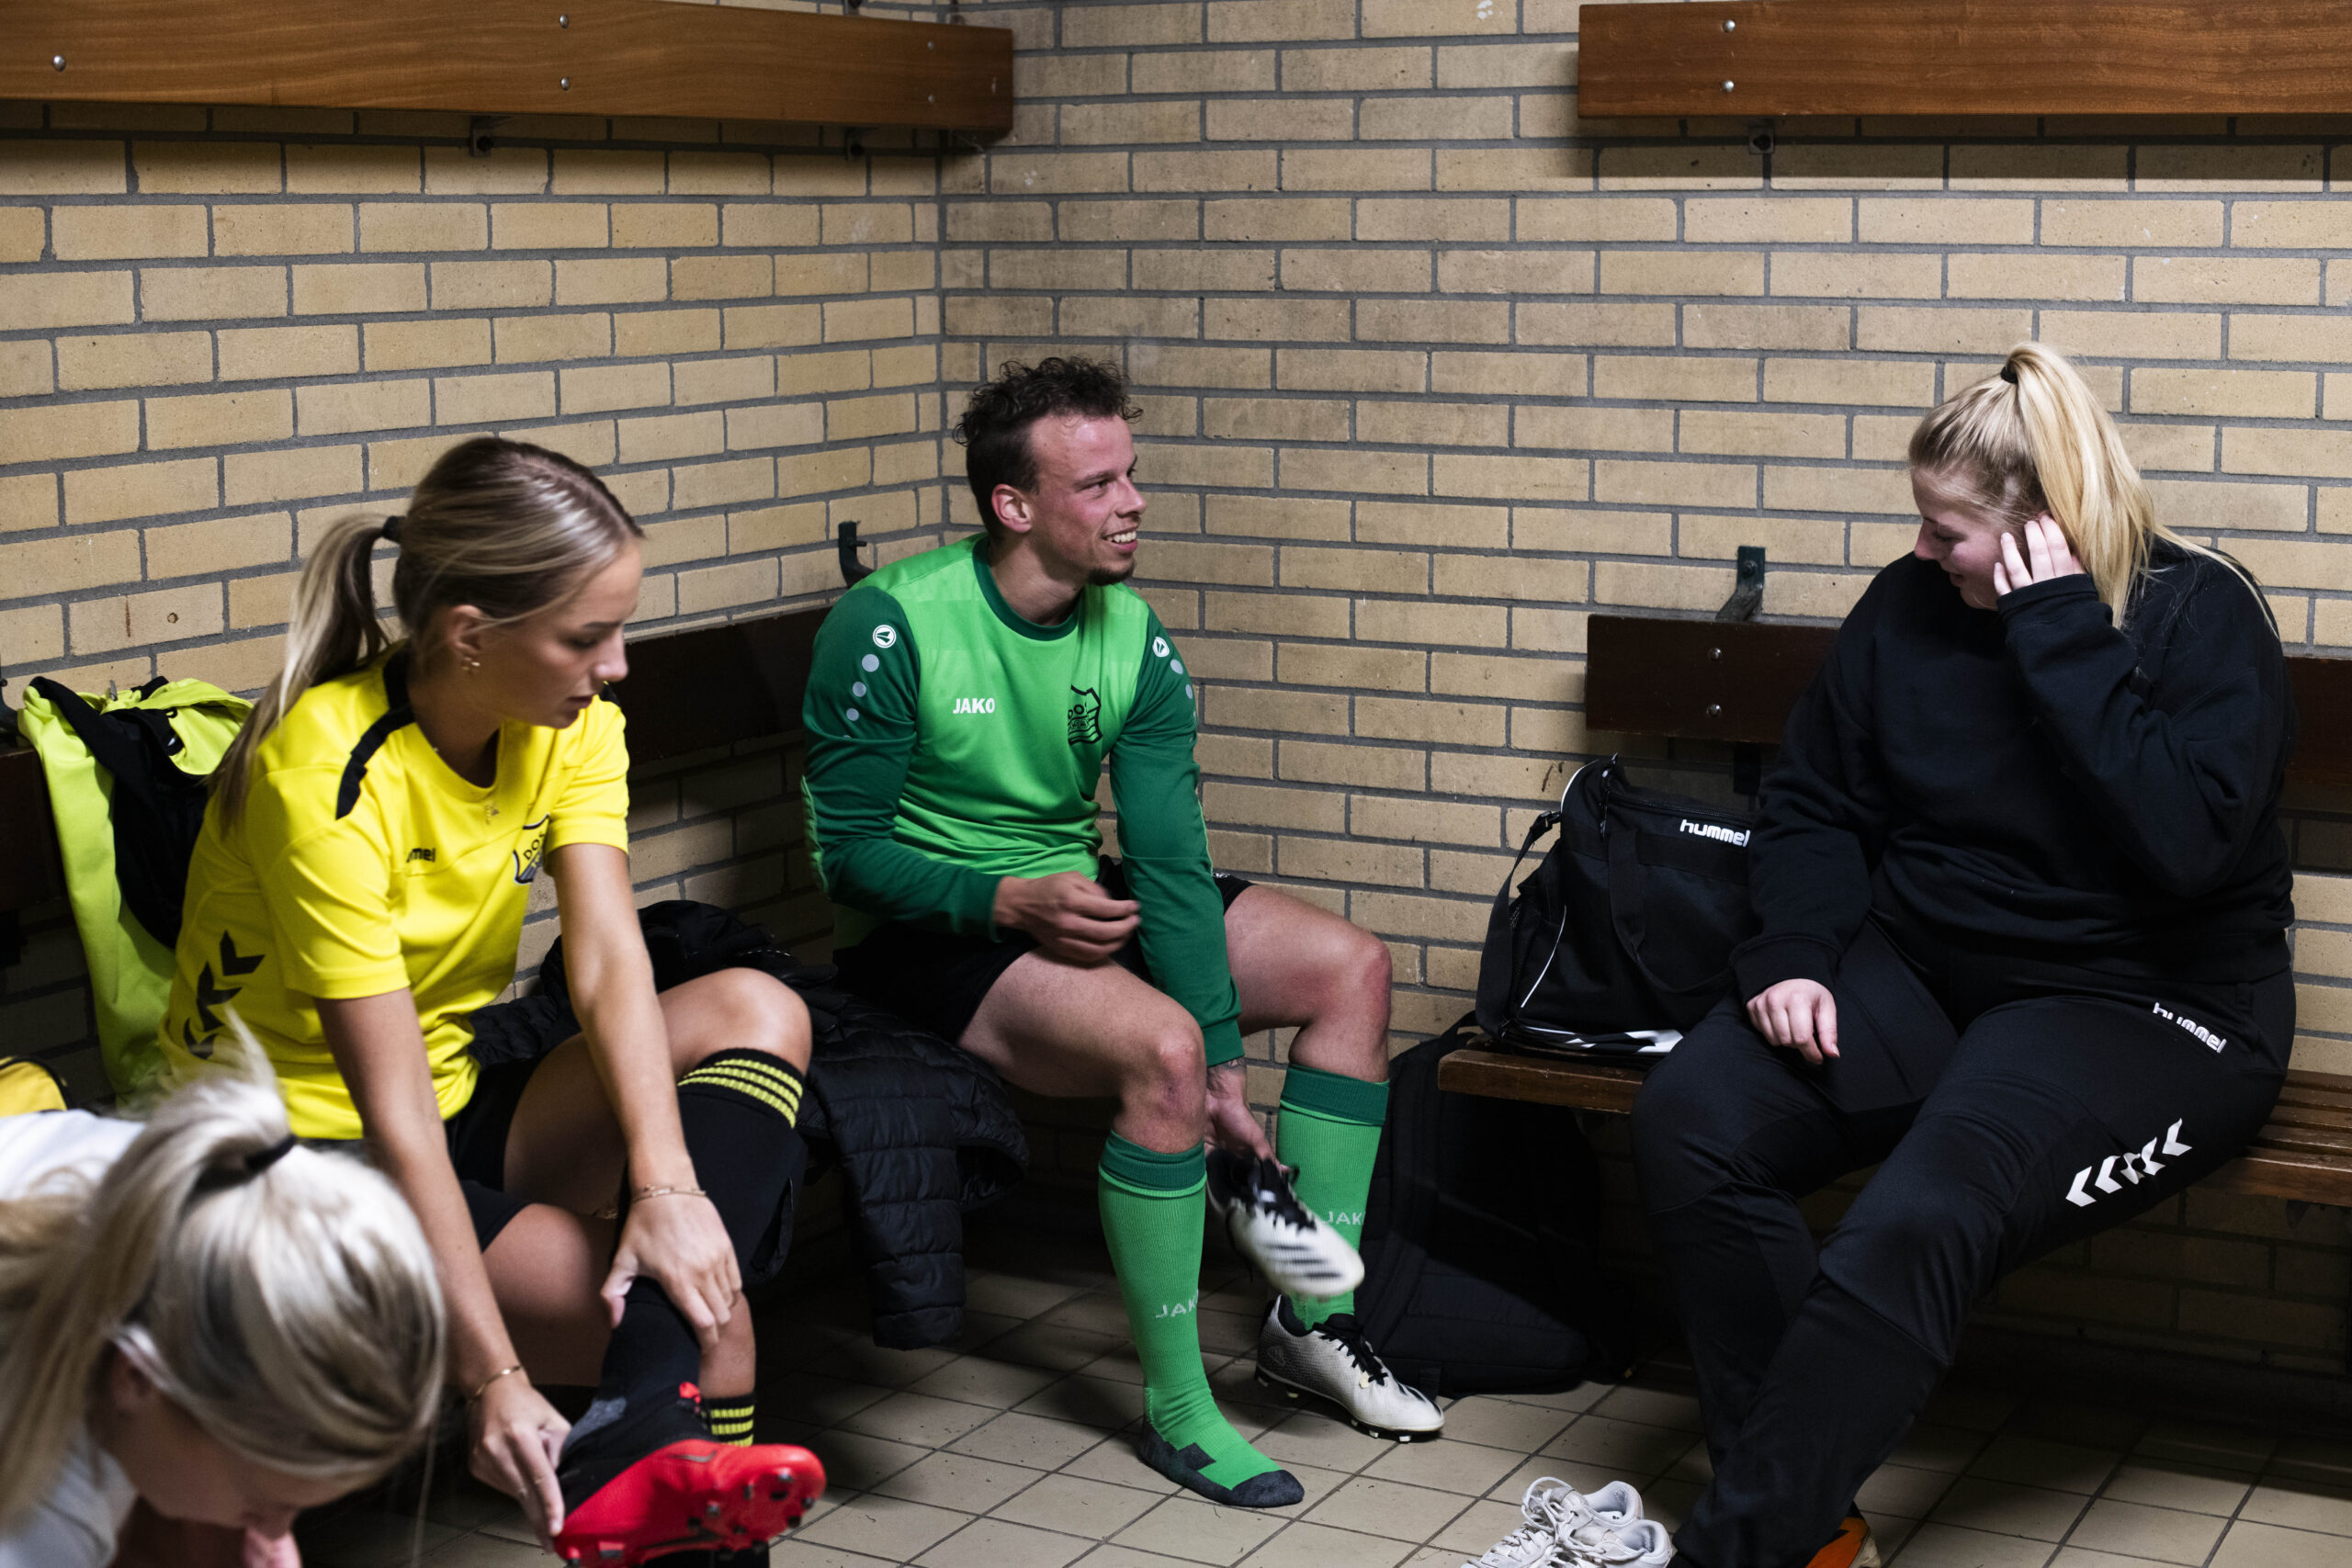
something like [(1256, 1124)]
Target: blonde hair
[(504, 526), (2034, 439), (288, 1304)]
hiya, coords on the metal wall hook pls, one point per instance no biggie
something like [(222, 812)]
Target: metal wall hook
[(1747, 587), (853, 569)]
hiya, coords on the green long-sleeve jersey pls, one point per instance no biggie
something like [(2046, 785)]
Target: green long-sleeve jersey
[(953, 743)]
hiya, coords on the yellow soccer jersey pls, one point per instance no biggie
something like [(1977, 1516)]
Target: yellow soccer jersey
[(364, 864)]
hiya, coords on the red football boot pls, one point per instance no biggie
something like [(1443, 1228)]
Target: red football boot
[(683, 1491)]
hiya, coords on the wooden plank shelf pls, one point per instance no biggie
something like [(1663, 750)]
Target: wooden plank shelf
[(511, 57), (1985, 57)]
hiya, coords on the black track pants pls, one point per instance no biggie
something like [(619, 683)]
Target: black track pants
[(2018, 1106)]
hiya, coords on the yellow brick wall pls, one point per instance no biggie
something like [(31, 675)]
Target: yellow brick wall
[(1433, 369), (222, 328)]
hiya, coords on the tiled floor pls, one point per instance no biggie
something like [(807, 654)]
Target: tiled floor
[(1007, 1452)]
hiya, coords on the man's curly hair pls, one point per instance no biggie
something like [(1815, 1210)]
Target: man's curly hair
[(994, 431)]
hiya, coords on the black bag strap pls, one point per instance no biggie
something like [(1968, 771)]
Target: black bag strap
[(111, 745), (1494, 1007)]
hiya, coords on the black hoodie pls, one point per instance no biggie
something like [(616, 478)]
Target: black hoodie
[(2032, 780)]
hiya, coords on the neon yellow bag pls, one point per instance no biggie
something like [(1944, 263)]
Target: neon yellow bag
[(125, 774)]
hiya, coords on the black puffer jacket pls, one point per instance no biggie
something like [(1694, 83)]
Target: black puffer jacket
[(923, 1131)]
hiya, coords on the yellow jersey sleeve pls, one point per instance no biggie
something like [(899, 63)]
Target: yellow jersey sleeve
[(330, 888), (593, 807)]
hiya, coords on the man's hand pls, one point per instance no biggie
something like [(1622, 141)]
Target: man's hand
[(1798, 1015), (1071, 917), (1231, 1127)]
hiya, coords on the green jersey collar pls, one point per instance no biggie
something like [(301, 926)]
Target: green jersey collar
[(1011, 617)]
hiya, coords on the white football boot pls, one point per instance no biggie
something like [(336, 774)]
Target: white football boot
[(1552, 1507), (1289, 1248), (1332, 1363)]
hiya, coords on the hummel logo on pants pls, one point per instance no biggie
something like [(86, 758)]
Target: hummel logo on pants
[(2143, 1158)]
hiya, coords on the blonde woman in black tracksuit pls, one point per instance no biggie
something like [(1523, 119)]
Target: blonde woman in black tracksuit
[(2024, 905)]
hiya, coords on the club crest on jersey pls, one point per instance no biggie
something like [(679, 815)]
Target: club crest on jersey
[(1085, 716), (975, 704), (886, 637), (528, 856)]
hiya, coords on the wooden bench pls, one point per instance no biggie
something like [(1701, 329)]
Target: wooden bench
[(1728, 680)]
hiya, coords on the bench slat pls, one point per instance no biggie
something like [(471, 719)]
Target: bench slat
[(2298, 1155)]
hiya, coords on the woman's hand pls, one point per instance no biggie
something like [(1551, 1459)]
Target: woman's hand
[(517, 1436), (2046, 555), (1799, 1015), (677, 1241)]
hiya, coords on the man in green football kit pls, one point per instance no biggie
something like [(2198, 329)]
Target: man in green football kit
[(961, 710)]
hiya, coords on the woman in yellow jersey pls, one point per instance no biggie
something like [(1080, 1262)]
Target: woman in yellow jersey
[(596, 1199)]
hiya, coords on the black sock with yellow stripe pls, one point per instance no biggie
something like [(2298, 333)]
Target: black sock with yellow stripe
[(737, 1110), (730, 1417)]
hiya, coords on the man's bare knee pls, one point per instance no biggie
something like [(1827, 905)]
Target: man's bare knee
[(1167, 1072)]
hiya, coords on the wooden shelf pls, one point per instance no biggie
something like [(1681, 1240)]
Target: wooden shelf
[(1983, 57), (572, 57)]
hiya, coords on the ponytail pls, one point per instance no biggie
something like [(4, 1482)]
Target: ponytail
[(507, 527), (331, 631), (283, 1298), (2034, 439)]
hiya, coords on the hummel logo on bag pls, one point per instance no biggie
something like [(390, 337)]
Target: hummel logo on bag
[(2131, 1165), (1735, 836)]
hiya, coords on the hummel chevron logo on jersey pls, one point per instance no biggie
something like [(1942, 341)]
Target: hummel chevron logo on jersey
[(1732, 836), (2131, 1165), (975, 704), (2213, 1041)]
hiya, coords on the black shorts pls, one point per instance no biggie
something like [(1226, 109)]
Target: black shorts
[(938, 981), (511, 1040)]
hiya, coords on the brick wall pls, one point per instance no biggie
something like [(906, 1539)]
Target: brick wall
[(1433, 369), (222, 328)]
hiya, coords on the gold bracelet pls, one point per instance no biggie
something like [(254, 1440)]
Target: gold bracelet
[(475, 1397), (642, 1193)]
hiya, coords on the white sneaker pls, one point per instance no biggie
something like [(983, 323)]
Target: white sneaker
[(1290, 1248), (1552, 1508), (1637, 1543), (1333, 1362)]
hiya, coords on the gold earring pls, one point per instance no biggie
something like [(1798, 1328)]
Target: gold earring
[(472, 664)]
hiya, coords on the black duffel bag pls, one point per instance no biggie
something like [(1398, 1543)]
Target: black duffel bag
[(1622, 936)]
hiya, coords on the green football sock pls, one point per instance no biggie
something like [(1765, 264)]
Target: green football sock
[(1329, 1129), (1152, 1218)]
